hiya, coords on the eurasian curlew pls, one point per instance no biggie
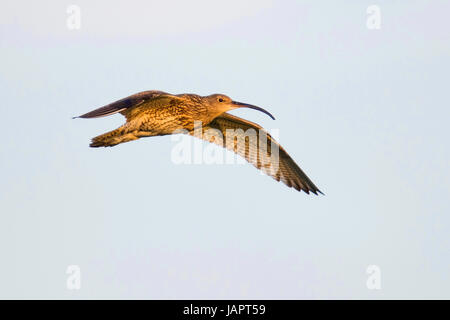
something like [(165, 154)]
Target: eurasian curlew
[(156, 113)]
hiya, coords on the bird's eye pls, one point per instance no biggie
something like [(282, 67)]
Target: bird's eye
[(220, 100)]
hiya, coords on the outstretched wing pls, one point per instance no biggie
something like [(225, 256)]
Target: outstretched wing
[(123, 104), (257, 147)]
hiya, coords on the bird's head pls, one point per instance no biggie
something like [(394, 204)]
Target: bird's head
[(220, 103)]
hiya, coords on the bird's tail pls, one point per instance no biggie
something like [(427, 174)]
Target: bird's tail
[(112, 138)]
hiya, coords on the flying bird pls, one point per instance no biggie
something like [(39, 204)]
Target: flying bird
[(157, 113)]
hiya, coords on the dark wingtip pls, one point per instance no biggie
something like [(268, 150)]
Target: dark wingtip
[(315, 191)]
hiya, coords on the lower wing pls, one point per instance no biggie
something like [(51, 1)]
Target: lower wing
[(253, 143)]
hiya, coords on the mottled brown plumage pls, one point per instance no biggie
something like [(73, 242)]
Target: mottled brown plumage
[(155, 113)]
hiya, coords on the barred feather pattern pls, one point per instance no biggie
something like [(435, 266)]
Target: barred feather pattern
[(257, 151)]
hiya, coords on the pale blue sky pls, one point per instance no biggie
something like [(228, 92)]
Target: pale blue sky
[(363, 112)]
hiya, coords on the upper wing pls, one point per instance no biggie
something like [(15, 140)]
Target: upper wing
[(259, 150), (124, 104)]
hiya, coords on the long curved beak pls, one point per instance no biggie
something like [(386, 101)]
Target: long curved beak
[(245, 105)]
